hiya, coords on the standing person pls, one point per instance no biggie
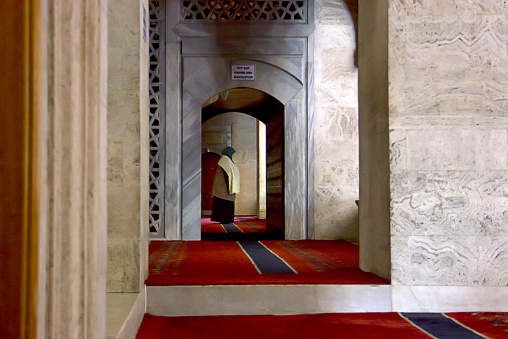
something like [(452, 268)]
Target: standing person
[(225, 186)]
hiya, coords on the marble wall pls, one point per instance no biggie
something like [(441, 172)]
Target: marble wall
[(336, 176), (127, 146), (448, 142)]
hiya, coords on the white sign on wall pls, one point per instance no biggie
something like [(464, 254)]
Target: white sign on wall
[(243, 72)]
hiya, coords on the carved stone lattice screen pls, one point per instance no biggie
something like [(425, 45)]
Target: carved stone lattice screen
[(244, 10), (157, 140)]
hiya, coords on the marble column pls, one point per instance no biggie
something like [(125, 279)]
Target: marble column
[(73, 216)]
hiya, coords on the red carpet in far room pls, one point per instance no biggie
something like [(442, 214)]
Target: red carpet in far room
[(247, 224), (226, 263)]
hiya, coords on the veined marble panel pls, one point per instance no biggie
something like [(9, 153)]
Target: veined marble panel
[(295, 195), (336, 149), (332, 12), (338, 219), (448, 97), (123, 265), (173, 164), (448, 7), (191, 169), (477, 121), (449, 299), (336, 47), (340, 89), (450, 260), (454, 48), (458, 149), (310, 150), (449, 202)]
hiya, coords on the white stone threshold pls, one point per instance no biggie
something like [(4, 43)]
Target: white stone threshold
[(124, 314), (449, 299), (266, 299)]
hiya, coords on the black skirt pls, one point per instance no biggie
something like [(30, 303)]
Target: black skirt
[(223, 211)]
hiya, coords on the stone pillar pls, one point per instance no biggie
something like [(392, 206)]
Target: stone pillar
[(73, 216), (373, 127), (128, 176), (335, 123)]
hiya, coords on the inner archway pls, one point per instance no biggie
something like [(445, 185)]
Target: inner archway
[(231, 118), (274, 97)]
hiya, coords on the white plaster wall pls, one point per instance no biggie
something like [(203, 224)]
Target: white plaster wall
[(449, 142), (336, 176), (245, 142), (127, 146)]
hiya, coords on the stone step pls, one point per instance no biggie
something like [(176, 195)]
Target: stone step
[(266, 299)]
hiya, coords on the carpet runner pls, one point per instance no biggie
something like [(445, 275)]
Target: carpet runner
[(440, 326), (246, 224), (244, 228), (265, 261), (238, 263), (343, 325)]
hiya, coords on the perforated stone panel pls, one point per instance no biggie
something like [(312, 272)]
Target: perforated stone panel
[(244, 10), (156, 118)]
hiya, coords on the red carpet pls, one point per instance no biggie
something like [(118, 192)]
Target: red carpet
[(491, 325), (208, 226), (358, 325), (225, 263), (250, 224)]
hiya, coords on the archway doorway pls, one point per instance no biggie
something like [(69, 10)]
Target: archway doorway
[(275, 98), (231, 118)]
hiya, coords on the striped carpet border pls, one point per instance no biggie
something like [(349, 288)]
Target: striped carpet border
[(440, 326), (265, 261), (231, 228)]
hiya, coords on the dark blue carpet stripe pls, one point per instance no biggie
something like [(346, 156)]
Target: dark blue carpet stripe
[(266, 261), (439, 326), (231, 228)]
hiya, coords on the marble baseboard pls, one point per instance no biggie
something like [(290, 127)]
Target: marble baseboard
[(266, 299), (449, 299), (124, 314)]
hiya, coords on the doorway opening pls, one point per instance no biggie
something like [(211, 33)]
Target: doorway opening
[(252, 122)]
